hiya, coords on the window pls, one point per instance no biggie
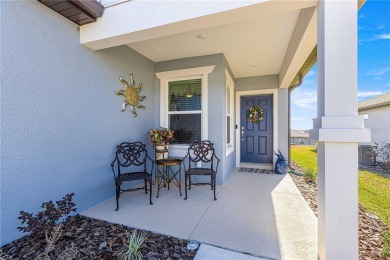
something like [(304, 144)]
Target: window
[(301, 141), (183, 105), (185, 110), (229, 114)]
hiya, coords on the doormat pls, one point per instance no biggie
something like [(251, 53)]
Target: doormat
[(262, 171)]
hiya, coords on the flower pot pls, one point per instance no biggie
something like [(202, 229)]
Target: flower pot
[(161, 151)]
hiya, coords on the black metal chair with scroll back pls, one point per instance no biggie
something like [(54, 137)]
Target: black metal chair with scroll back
[(131, 162), (201, 151)]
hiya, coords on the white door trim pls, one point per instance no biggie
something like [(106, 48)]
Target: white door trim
[(240, 94)]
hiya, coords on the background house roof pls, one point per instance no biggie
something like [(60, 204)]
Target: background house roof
[(375, 102), (299, 133)]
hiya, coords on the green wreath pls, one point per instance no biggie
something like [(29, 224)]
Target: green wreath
[(256, 114)]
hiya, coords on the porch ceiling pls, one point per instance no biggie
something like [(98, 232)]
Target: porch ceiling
[(262, 41), (263, 37)]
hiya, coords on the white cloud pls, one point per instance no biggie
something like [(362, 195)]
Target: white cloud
[(310, 73), (362, 94), (380, 27), (305, 99), (378, 72), (384, 36)]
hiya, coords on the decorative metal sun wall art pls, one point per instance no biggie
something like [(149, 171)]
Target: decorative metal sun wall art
[(131, 94)]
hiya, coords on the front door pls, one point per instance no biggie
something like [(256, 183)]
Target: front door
[(256, 138)]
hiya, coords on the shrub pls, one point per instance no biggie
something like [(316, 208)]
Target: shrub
[(68, 254), (50, 215), (310, 173), (382, 153)]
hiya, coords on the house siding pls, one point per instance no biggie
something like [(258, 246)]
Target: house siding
[(379, 123), (271, 82), (60, 118), (216, 104), (306, 141)]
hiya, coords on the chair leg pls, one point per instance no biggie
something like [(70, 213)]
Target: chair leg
[(213, 181), (117, 189), (189, 184), (150, 195), (146, 188), (185, 185)]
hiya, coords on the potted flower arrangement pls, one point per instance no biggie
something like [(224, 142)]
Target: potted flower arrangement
[(160, 139)]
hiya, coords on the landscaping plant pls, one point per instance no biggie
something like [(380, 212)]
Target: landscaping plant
[(310, 174), (382, 152), (49, 217), (67, 254), (135, 243)]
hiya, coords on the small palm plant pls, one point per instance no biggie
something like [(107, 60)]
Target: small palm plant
[(135, 243)]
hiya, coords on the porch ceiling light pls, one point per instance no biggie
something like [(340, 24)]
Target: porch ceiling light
[(189, 92), (201, 36)]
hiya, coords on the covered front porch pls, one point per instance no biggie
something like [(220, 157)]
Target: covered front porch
[(258, 214)]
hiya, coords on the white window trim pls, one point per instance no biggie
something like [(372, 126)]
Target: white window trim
[(230, 85), (240, 94), (184, 74)]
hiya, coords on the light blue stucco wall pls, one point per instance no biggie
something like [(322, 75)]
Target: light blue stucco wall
[(216, 102), (60, 118)]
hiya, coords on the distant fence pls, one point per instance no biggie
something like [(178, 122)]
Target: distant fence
[(366, 156)]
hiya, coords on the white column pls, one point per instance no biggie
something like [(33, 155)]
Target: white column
[(338, 129)]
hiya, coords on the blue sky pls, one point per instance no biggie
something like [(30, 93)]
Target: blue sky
[(373, 66)]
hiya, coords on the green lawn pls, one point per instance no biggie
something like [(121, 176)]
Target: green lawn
[(305, 156), (374, 190)]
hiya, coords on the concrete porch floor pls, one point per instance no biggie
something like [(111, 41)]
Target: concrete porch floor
[(260, 214)]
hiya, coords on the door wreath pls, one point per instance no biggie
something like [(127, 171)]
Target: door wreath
[(256, 114)]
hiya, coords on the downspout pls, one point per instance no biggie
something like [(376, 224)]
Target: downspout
[(291, 88)]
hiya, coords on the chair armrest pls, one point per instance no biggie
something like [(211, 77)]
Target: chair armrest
[(184, 161), (152, 161), (218, 160), (112, 167)]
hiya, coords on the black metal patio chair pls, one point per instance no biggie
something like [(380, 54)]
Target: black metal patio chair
[(201, 151), (131, 161)]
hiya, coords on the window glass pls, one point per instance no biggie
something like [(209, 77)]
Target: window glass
[(228, 100), (185, 110), (228, 129), (187, 127), (185, 95)]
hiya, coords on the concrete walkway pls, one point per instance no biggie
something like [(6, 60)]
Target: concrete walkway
[(259, 214)]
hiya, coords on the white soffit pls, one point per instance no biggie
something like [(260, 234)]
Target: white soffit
[(262, 41), (253, 35)]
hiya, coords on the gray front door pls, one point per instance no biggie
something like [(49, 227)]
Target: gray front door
[(256, 138)]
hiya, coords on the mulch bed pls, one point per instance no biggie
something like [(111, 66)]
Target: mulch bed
[(88, 234), (371, 228)]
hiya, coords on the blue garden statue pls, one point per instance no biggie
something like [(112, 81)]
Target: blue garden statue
[(281, 164)]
